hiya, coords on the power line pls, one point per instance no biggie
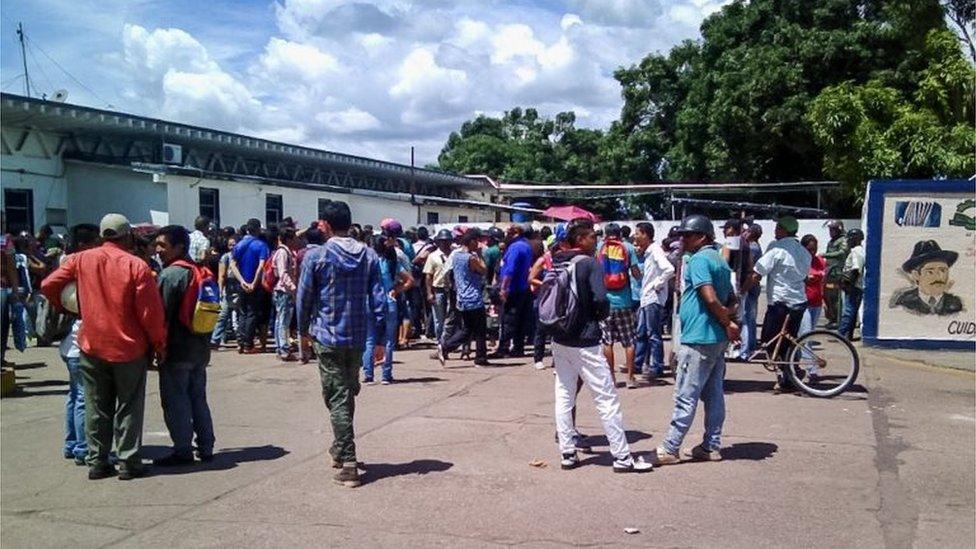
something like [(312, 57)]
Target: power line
[(50, 85), (65, 71)]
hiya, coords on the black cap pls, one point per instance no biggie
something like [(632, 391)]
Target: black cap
[(444, 235)]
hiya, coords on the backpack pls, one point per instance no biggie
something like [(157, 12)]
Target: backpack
[(201, 301), (559, 312), (616, 265), (51, 325), (269, 278)]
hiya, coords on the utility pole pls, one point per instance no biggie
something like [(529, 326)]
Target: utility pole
[(23, 56), (413, 185)]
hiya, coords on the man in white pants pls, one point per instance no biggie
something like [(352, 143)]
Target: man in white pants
[(578, 355)]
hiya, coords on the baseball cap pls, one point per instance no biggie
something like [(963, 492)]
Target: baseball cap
[(114, 226), (789, 224), (391, 225)]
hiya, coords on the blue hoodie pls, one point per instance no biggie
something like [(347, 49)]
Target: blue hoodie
[(340, 294)]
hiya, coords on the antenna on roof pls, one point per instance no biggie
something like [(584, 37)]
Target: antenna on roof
[(23, 56)]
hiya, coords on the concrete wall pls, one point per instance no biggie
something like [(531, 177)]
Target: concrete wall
[(95, 190), (33, 166), (240, 201)]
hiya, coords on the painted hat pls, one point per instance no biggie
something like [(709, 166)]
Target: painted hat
[(926, 251)]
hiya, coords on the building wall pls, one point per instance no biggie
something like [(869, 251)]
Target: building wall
[(32, 163), (95, 190), (240, 201)]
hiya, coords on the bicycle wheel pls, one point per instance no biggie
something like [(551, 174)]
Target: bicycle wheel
[(824, 364)]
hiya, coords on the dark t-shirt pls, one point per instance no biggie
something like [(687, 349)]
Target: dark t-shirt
[(184, 349), (592, 299)]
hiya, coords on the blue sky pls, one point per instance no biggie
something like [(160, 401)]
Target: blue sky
[(369, 77)]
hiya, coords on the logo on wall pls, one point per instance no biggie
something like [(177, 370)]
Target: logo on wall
[(961, 219), (917, 213)]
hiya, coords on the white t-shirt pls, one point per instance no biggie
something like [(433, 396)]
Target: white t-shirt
[(657, 271), (855, 260), (435, 266), (785, 265)]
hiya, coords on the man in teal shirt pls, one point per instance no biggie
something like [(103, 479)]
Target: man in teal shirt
[(707, 326)]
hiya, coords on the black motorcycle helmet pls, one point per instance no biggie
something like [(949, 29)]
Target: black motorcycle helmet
[(696, 224)]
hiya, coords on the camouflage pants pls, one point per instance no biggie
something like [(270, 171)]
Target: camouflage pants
[(339, 371)]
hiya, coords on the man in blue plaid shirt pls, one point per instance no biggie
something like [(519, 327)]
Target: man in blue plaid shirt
[(341, 298)]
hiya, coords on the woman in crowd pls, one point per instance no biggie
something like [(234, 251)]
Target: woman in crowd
[(396, 280)]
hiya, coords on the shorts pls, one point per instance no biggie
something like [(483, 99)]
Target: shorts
[(619, 327)]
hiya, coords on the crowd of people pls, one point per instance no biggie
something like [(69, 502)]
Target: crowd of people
[(135, 298)]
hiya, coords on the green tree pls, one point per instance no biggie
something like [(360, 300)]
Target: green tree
[(873, 130)]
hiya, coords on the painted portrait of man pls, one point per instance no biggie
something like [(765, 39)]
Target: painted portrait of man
[(929, 270)]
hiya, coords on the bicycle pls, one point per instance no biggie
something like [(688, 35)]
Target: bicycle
[(822, 363)]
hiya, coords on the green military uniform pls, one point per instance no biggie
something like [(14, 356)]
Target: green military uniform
[(836, 255), (339, 371)]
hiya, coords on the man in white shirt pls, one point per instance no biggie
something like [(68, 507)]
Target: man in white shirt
[(199, 242), (435, 268), (658, 270), (785, 265), (853, 292)]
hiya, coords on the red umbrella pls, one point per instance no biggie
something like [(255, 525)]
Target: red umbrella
[(567, 213)]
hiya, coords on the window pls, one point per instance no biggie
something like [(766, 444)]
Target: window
[(18, 207), (433, 218), (323, 202), (210, 204), (272, 209), (462, 219)]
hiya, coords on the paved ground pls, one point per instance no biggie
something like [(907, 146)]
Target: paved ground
[(448, 455)]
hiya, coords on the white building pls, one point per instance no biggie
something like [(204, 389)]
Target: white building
[(64, 164)]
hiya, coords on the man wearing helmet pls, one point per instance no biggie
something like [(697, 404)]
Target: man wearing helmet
[(707, 311)]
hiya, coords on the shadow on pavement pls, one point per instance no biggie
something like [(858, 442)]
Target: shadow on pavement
[(29, 366), (26, 388), (380, 471), (749, 385), (632, 438), (225, 458), (754, 451), (428, 379)]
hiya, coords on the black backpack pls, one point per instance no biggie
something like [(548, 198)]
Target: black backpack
[(559, 311)]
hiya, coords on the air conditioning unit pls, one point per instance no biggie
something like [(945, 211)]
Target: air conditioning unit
[(172, 154)]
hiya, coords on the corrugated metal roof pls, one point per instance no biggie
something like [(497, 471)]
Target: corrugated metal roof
[(17, 110)]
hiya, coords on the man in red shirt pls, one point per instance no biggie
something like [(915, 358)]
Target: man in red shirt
[(123, 325)]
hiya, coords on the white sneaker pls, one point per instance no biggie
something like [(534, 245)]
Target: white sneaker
[(569, 461), (540, 365), (631, 465)]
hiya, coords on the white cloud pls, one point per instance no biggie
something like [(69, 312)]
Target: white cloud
[(350, 120), (291, 60), (365, 76)]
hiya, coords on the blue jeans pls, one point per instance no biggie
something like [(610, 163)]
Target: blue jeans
[(650, 343), (747, 313), (226, 318), (392, 325), (438, 310), (183, 392), (852, 302), (700, 375), (75, 440), (284, 304), (18, 322)]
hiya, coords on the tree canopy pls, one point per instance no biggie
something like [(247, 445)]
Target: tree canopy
[(775, 90)]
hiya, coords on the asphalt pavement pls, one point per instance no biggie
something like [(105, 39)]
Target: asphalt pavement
[(448, 453)]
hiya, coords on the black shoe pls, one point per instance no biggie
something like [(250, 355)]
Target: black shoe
[(482, 362), (498, 354), (348, 476), (129, 473), (205, 457), (98, 472), (173, 460), (79, 460)]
